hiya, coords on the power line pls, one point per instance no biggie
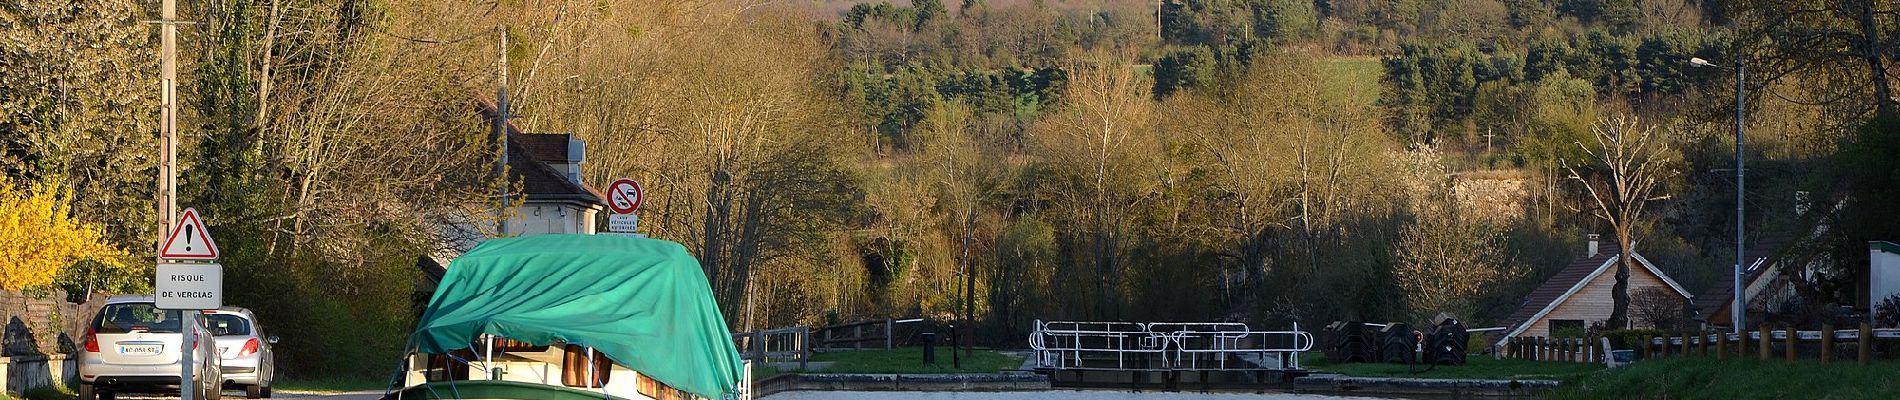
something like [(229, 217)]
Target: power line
[(463, 38)]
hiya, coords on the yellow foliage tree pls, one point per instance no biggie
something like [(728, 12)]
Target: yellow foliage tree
[(39, 236)]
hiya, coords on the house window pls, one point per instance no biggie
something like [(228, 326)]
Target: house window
[(1566, 328)]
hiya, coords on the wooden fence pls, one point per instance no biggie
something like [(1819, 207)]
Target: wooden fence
[(1827, 343), (784, 344), (1580, 350)]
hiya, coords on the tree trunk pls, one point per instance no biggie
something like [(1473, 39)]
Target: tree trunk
[(718, 210), (1870, 50), (1620, 294)]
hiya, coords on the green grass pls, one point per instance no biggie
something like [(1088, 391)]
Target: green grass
[(909, 360), (51, 392), (1704, 378), (328, 385), (1355, 78), (1476, 367)]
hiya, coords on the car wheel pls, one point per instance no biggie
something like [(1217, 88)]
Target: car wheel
[(86, 392), (267, 392), (254, 391)]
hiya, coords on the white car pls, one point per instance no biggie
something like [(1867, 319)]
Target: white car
[(134, 347), (247, 359)]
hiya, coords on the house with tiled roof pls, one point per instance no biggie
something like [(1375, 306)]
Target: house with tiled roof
[(1580, 294), (1762, 278), (554, 199), (548, 168)]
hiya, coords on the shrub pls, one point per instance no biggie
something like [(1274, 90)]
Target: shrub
[(1887, 312), (1628, 338)]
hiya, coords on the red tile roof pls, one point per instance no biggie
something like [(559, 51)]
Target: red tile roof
[(1559, 284), (529, 156)]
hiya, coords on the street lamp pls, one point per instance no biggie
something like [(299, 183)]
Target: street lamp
[(1735, 310)]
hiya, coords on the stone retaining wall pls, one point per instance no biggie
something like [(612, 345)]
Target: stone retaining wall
[(1336, 383), (901, 382)]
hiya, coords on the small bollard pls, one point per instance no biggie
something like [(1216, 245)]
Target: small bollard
[(1827, 343), (930, 349), (1762, 342)]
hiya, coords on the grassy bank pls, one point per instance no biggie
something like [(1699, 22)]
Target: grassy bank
[(910, 360), (1476, 367), (1703, 378), (329, 385)]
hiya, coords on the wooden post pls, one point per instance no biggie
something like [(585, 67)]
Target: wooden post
[(1663, 348), (804, 348), (1687, 347), (1721, 345), (889, 332), (1789, 343), (1865, 343), (1642, 349), (759, 344), (1761, 343), (1590, 349), (1827, 343)]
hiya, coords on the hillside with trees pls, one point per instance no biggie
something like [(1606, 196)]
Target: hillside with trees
[(1003, 161)]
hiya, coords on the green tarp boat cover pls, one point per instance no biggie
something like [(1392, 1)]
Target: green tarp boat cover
[(642, 302)]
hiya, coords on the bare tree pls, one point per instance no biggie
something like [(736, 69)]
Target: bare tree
[(1626, 166), (1104, 140), (1658, 307)]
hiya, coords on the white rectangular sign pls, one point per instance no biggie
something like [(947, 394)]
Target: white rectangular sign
[(189, 286), (623, 223)]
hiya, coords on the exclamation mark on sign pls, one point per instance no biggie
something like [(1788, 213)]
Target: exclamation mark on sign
[(187, 238)]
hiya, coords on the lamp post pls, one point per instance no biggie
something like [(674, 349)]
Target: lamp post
[(1736, 309)]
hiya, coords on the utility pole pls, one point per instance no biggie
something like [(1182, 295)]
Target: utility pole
[(168, 119), (168, 171), (1741, 293), (501, 128)]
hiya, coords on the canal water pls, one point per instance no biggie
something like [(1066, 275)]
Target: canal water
[(1049, 395)]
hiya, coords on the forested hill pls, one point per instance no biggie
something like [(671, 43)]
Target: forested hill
[(1256, 160)]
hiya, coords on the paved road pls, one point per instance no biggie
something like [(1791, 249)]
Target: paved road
[(282, 395), (1047, 395)]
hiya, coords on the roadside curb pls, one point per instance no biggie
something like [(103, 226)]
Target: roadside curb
[(1340, 384), (998, 382)]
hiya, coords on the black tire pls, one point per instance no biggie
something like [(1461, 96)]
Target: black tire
[(266, 392), (108, 395), (87, 392), (1397, 351), (253, 391), (1353, 351)]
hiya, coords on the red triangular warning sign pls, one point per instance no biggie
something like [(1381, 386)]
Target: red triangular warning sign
[(188, 239)]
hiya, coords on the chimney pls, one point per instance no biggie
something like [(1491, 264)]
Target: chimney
[(1591, 250), (576, 153)]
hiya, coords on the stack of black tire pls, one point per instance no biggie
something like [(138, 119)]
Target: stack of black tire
[(1447, 342), (1398, 341), (1348, 342)]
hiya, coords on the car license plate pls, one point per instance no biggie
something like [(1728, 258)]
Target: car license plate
[(140, 349)]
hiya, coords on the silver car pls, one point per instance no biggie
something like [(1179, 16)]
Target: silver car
[(248, 361), (134, 347)]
